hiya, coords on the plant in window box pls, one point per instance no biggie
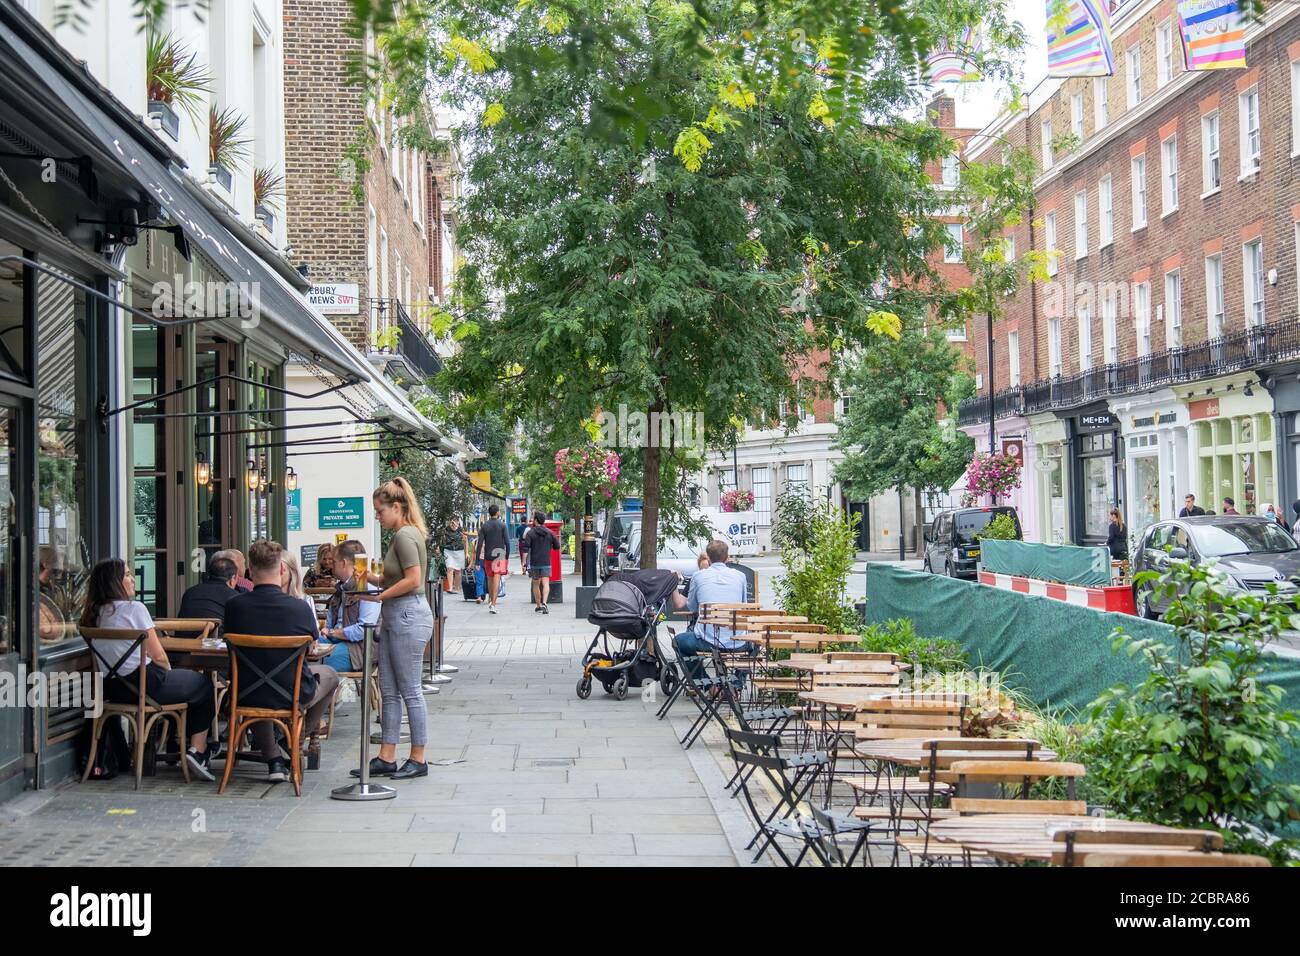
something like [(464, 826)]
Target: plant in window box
[(386, 340), (227, 146), (174, 78), (268, 187)]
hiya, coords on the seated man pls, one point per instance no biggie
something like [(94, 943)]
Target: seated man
[(210, 596), (234, 554), (346, 612), (716, 584), (267, 610)]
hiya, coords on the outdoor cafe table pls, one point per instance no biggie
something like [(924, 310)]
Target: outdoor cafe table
[(1028, 837)]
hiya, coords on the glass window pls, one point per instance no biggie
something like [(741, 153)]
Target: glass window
[(1049, 235), (1046, 133), (1164, 53), (13, 334), (1253, 275), (1080, 224), (1134, 76), (1138, 175), (1248, 118), (1169, 174), (1098, 493), (952, 246), (63, 403), (1214, 294), (1101, 102), (1174, 309), (1106, 209), (261, 456), (761, 478), (951, 170), (796, 475), (1238, 536), (1210, 171), (8, 566), (1054, 346), (1146, 491), (149, 498), (1076, 114)]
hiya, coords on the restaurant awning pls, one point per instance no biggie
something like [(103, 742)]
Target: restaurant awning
[(53, 77)]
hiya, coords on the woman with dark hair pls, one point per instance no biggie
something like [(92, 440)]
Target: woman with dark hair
[(1117, 536), (110, 603)]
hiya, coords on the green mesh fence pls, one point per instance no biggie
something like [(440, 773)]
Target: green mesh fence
[(1066, 563), (1057, 653)]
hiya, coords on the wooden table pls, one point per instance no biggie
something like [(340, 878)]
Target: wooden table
[(1024, 838)]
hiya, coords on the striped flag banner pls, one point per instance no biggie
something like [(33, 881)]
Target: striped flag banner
[(1214, 34), (1078, 38), (953, 61)]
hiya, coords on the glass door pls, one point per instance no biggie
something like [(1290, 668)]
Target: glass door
[(12, 572)]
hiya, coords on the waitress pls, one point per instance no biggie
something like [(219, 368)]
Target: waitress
[(406, 625)]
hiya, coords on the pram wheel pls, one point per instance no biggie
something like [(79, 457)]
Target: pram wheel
[(620, 688), (584, 687), (667, 679)]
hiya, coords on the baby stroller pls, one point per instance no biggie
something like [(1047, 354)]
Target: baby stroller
[(627, 608)]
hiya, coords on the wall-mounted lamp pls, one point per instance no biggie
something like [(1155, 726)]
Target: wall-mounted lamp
[(252, 476), (202, 470), (290, 479)]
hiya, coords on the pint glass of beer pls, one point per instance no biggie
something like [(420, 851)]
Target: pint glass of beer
[(359, 582)]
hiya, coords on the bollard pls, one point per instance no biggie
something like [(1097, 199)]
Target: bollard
[(365, 790)]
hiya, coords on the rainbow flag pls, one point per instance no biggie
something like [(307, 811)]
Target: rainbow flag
[(1214, 34), (954, 61), (1083, 45)]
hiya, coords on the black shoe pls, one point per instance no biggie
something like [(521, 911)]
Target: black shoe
[(378, 768), (411, 769), (537, 609), (277, 770), (198, 764), (545, 609), (216, 751)]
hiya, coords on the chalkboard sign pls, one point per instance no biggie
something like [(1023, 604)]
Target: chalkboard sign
[(309, 552)]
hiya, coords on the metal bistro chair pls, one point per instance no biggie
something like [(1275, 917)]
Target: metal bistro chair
[(288, 718), (144, 713)]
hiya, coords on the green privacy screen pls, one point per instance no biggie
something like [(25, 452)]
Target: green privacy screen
[(1058, 653), (1065, 563)]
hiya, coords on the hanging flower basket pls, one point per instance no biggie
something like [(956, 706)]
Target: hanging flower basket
[(737, 500), (587, 471), (990, 475)]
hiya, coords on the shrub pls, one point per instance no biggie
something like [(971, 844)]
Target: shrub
[(1001, 528), (1196, 742), (815, 581), (925, 654)]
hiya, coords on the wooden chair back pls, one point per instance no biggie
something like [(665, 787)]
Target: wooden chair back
[(187, 627), (92, 634), (289, 717), (909, 716), (1173, 859), (855, 674)]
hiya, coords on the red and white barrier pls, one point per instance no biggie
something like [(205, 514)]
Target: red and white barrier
[(1118, 598)]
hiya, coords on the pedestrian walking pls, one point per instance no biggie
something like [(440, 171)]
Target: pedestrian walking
[(539, 542), (454, 545), (494, 552)]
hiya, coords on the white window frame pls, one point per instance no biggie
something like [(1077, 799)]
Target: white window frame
[(1076, 114), (1105, 211), (1142, 317), (1109, 336), (1100, 103), (1254, 280), (1138, 177), (1049, 241), (1164, 53), (1214, 295), (954, 242), (1211, 154), (1295, 108), (1085, 339), (1054, 348), (397, 277), (1133, 76), (950, 170), (1174, 308), (1251, 154), (762, 502), (1168, 175), (1013, 357), (1045, 140), (1080, 224)]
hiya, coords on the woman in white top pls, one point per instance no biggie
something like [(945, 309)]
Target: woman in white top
[(110, 602), (291, 583)]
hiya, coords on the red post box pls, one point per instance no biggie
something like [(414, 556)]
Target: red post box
[(558, 528)]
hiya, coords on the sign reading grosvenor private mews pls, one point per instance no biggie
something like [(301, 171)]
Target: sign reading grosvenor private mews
[(342, 513)]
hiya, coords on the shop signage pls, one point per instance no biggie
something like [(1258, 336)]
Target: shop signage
[(335, 298), (342, 512), (481, 480), (1014, 448), (1150, 421), (309, 553), (519, 507), (293, 509), (1205, 408), (1097, 421)]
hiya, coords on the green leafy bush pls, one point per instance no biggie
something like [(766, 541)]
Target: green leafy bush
[(1196, 742), (926, 654), (1001, 528), (814, 582)]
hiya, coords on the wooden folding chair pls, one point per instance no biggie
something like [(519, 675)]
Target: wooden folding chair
[(1181, 843), (288, 718)]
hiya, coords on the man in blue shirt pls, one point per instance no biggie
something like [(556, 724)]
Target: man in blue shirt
[(716, 584), (345, 613)]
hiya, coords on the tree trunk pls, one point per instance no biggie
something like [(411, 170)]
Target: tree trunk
[(650, 495), (920, 525)]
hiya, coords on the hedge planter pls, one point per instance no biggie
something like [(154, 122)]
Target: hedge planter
[(166, 119), (221, 176), (266, 217)]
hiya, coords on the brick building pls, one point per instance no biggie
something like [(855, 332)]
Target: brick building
[(1155, 363)]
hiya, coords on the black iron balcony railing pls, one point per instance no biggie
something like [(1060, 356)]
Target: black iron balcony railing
[(1249, 348), (412, 344)]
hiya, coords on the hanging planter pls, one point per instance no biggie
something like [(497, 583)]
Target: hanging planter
[(737, 500), (587, 471), (990, 475)]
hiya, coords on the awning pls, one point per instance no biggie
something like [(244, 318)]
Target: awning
[(278, 308)]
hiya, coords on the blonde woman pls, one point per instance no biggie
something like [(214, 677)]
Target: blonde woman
[(406, 625), (291, 584)]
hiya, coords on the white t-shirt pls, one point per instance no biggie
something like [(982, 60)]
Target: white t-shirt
[(123, 614)]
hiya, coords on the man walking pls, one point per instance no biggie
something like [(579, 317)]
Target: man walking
[(1190, 510), (539, 542), (494, 551)]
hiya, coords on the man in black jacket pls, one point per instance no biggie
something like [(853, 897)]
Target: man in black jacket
[(1190, 508), (494, 551), (539, 541), (210, 596), (269, 611)]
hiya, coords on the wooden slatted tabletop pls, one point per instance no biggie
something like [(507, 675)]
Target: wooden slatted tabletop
[(1022, 838)]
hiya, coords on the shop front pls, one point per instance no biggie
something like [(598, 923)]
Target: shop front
[(1154, 448), (1013, 437), (1232, 446), (1047, 438), (1283, 384), (1092, 470)]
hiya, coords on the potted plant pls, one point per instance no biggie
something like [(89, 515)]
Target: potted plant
[(268, 185), (175, 79), (737, 500), (226, 144), (993, 475)]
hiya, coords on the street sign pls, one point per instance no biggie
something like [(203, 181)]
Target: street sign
[(336, 298), (342, 513)]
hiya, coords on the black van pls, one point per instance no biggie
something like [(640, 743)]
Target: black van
[(950, 544), (612, 538)]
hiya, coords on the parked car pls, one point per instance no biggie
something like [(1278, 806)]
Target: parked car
[(674, 554), (1252, 551), (951, 543), (613, 537)]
